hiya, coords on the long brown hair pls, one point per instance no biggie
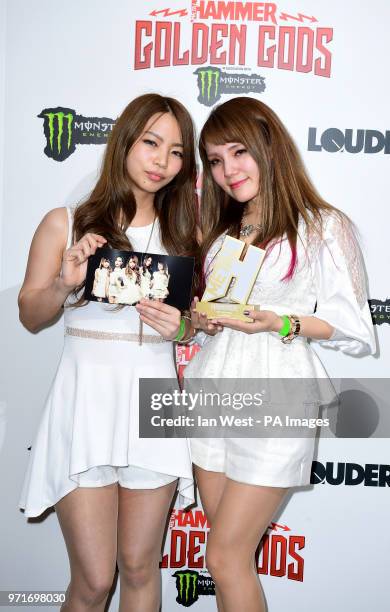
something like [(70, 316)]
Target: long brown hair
[(286, 191), (110, 208), (130, 271)]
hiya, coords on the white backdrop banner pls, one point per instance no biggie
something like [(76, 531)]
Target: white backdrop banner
[(68, 70)]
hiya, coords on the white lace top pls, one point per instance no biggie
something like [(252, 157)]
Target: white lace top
[(329, 283)]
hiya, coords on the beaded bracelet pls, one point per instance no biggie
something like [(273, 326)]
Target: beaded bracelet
[(294, 331)]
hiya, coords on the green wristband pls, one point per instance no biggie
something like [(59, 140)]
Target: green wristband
[(285, 329), (182, 330)]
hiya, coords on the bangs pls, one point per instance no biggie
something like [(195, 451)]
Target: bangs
[(223, 127)]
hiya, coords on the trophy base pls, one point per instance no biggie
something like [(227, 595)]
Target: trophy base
[(218, 310)]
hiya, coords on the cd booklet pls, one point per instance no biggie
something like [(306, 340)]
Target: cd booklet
[(125, 277)]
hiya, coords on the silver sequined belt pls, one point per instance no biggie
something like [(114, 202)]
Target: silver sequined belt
[(102, 335)]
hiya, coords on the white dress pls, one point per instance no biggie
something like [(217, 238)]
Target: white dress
[(113, 289), (330, 274), (130, 291), (146, 279), (100, 284), (88, 433), (160, 285)]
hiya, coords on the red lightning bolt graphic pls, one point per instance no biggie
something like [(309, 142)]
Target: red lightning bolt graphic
[(275, 526), (301, 17), (168, 13)]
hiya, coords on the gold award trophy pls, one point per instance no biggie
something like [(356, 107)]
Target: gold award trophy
[(232, 276)]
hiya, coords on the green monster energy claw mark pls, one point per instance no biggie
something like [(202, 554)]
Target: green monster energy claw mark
[(58, 127), (60, 123), (209, 74), (208, 82), (187, 587)]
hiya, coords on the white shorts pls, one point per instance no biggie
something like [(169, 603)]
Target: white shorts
[(130, 477), (268, 462)]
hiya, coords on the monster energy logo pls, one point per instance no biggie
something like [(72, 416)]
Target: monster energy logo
[(58, 129), (187, 587), (64, 129), (60, 123), (380, 311), (213, 82), (208, 83)]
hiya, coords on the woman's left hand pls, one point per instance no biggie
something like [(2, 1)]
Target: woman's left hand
[(163, 318), (264, 321)]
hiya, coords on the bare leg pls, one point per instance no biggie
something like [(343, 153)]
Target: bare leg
[(243, 515), (211, 486), (88, 519), (139, 549)]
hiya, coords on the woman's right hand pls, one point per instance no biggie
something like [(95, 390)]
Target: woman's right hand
[(199, 320), (75, 259)]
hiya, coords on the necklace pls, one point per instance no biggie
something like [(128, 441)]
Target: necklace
[(247, 230), (141, 324)]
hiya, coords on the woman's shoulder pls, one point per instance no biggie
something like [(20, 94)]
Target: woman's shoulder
[(216, 245), (54, 225), (56, 218), (328, 224), (338, 227)]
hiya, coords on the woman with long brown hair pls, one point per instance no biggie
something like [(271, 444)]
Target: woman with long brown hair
[(112, 490), (160, 281), (102, 279), (116, 272), (129, 283), (311, 285)]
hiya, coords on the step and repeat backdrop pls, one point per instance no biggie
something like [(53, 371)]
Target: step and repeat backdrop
[(68, 70)]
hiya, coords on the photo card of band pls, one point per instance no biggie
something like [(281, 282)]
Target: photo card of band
[(125, 277)]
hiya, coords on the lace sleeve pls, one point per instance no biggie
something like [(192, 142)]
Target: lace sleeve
[(341, 289), (346, 237)]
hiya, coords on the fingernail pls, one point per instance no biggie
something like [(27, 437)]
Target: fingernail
[(246, 312)]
